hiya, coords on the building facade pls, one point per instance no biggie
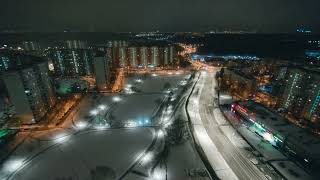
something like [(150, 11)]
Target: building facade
[(75, 62), (29, 88)]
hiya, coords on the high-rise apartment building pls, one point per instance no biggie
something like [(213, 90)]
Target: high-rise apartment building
[(133, 56), (141, 56), (172, 54), (123, 57), (29, 88), (76, 62), (144, 56), (292, 88), (76, 44), (311, 110), (155, 56), (4, 61)]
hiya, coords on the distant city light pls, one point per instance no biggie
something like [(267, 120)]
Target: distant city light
[(138, 80), (154, 75)]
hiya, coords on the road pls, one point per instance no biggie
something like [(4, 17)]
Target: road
[(234, 161)]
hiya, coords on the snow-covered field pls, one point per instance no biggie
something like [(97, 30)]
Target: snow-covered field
[(79, 156), (82, 150)]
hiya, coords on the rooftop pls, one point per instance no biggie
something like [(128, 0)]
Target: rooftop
[(281, 126)]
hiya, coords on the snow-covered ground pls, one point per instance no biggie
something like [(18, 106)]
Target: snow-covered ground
[(77, 156), (85, 150)]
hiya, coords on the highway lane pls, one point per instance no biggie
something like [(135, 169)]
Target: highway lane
[(240, 165)]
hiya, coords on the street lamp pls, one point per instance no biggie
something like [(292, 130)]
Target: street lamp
[(158, 175), (116, 99), (13, 164), (160, 133), (81, 125), (102, 107), (147, 157), (94, 112)]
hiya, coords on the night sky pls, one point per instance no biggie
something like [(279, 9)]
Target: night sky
[(163, 15)]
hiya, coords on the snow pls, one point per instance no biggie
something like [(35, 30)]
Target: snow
[(234, 137), (78, 156), (79, 149), (290, 170)]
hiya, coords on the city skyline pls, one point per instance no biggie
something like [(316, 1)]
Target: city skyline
[(159, 90)]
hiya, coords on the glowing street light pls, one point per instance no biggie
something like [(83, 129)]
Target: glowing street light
[(129, 85), (154, 75), (94, 112), (81, 125), (131, 123), (102, 126), (116, 99), (167, 124), (166, 119), (60, 138), (160, 133), (13, 165), (147, 158), (102, 107), (158, 175)]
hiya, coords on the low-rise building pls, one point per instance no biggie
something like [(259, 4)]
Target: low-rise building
[(302, 145)]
